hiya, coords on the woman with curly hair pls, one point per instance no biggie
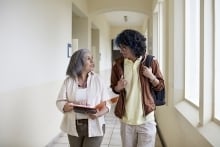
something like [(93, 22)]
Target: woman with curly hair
[(131, 79)]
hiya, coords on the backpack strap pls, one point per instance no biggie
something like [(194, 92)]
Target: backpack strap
[(148, 60)]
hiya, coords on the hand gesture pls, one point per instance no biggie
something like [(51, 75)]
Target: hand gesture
[(147, 72), (93, 116), (121, 84), (68, 107)]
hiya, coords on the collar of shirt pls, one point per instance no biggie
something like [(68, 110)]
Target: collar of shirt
[(128, 61)]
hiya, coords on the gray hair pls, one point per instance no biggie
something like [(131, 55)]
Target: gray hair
[(76, 63)]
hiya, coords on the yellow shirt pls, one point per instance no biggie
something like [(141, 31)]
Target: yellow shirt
[(133, 103)]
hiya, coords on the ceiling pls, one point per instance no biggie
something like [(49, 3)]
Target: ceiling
[(136, 12), (125, 18)]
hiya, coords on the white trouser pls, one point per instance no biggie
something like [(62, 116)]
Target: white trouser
[(143, 135)]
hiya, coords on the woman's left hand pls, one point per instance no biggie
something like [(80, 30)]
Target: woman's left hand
[(93, 116), (99, 113)]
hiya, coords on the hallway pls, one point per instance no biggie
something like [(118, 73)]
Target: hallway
[(111, 138)]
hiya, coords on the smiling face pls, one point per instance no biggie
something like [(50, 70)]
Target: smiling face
[(88, 62)]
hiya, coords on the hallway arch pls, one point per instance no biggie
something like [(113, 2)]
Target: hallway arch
[(144, 7)]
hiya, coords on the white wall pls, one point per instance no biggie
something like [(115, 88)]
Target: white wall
[(116, 30), (104, 46), (81, 31), (33, 60), (95, 48)]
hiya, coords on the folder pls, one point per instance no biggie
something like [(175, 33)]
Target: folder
[(92, 110)]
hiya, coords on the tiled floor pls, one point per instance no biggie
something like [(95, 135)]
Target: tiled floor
[(111, 138)]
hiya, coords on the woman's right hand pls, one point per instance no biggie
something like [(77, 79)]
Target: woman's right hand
[(68, 107)]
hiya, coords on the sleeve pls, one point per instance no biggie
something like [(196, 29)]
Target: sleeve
[(157, 72), (62, 97), (114, 78), (105, 95)]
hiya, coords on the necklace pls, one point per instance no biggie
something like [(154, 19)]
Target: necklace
[(82, 84)]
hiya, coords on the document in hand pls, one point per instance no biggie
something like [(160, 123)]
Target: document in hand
[(84, 109), (92, 110)]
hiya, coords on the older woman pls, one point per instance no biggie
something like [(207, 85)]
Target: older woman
[(83, 86)]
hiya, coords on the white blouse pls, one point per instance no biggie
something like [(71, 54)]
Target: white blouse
[(81, 98), (96, 92)]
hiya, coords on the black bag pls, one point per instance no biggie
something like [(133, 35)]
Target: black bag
[(159, 96)]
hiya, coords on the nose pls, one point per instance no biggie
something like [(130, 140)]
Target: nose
[(122, 50), (92, 61)]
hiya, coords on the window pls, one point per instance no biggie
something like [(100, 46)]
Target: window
[(158, 33), (192, 50), (217, 60), (200, 106)]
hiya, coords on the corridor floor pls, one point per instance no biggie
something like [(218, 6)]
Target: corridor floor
[(111, 138)]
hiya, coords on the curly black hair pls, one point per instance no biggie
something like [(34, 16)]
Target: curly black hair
[(132, 39)]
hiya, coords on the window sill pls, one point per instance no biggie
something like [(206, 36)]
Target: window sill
[(210, 131)]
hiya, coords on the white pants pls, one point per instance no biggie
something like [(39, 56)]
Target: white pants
[(143, 135)]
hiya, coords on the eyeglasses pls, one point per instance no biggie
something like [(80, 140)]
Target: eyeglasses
[(123, 47)]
